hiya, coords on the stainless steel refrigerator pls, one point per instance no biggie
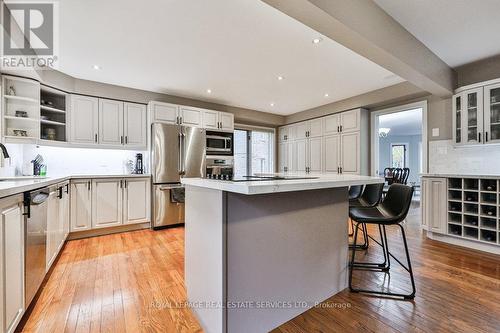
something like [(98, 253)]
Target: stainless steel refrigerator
[(176, 151)]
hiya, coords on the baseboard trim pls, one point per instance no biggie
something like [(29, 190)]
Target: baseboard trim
[(108, 231), (470, 244)]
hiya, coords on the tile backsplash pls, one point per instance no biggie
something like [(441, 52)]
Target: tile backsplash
[(63, 161), (480, 160)]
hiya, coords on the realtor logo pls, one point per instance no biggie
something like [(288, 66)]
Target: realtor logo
[(29, 36)]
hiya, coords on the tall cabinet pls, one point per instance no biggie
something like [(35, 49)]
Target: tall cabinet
[(336, 143)]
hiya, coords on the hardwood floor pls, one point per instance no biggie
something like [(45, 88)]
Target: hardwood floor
[(124, 283)]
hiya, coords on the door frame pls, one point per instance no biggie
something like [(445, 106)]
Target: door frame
[(374, 133)]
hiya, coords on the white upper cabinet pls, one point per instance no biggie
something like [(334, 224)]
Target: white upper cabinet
[(350, 121), (136, 200), (283, 157), (135, 125), (84, 119), (189, 116), (210, 119), (226, 121), (473, 116), (106, 202), (301, 130), (331, 124), (283, 134), (492, 113), (315, 128), (111, 122), (350, 153), (164, 112), (457, 118), (331, 147)]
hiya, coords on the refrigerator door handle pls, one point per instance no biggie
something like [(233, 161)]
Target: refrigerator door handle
[(179, 161), (183, 152)]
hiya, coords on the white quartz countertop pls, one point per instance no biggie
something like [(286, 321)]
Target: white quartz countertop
[(16, 185), (459, 175), (288, 185)]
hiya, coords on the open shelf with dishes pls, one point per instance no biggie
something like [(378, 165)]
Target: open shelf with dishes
[(21, 116), (474, 209), (53, 119)]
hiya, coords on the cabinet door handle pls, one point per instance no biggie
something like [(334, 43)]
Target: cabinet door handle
[(486, 137), (126, 139), (338, 129), (125, 183), (479, 134), (121, 183), (341, 169), (121, 139), (96, 137), (88, 185), (341, 128), (180, 120)]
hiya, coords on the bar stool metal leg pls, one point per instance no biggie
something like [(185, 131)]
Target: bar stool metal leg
[(353, 265)]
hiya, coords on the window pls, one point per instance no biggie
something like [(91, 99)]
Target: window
[(253, 151), (399, 156)]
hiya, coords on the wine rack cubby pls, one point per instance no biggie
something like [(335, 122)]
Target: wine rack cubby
[(474, 209)]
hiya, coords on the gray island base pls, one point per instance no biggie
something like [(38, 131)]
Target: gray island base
[(254, 262)]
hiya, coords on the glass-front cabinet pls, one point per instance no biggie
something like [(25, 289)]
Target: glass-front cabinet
[(468, 113), (492, 113)]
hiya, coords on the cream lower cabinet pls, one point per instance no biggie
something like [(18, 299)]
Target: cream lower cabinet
[(136, 201), (12, 262), (350, 153), (57, 221), (331, 146), (81, 205), (109, 202), (434, 203), (286, 156), (107, 197)]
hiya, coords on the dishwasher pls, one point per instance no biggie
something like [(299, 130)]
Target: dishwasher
[(35, 203)]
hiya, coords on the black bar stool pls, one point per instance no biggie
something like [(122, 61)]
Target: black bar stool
[(371, 196), (355, 191), (392, 211)]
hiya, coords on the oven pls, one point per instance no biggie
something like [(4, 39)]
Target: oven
[(220, 167), (219, 143)]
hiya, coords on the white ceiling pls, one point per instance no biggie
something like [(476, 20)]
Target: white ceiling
[(457, 31), (236, 48), (402, 123)]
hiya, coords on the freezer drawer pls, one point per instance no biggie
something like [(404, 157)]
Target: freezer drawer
[(168, 205)]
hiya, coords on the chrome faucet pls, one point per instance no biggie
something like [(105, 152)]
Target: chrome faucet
[(5, 155)]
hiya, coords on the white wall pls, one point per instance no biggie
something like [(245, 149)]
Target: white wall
[(64, 161)]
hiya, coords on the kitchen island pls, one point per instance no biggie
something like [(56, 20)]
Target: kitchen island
[(259, 253)]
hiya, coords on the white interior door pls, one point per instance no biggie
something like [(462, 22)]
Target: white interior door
[(84, 121), (331, 149), (110, 122), (107, 198), (135, 125), (350, 153)]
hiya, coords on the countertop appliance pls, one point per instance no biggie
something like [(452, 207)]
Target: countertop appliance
[(139, 164), (176, 151), (219, 143), (35, 203), (220, 167)]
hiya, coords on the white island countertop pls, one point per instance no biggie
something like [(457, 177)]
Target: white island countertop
[(309, 182)]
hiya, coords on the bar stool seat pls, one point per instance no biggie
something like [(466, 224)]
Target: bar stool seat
[(391, 211)]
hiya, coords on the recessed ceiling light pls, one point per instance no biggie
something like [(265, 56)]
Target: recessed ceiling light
[(272, 104), (209, 91), (96, 67), (326, 95), (280, 78), (316, 40)]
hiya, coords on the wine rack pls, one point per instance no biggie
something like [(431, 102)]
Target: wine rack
[(473, 209)]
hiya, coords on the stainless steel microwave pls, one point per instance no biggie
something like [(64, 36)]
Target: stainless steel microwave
[(219, 143)]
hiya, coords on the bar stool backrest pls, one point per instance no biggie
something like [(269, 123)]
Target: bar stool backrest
[(397, 202), (355, 191), (372, 194)]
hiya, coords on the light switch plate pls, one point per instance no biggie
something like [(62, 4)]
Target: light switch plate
[(435, 132)]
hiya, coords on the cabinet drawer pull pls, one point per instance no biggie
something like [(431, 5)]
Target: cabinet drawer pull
[(96, 137)]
